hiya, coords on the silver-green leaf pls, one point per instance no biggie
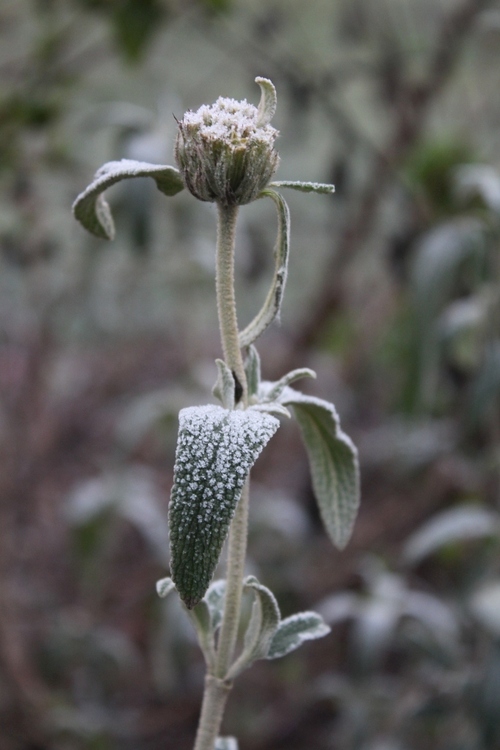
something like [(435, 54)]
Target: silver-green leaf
[(280, 385), (333, 461), (164, 586), (294, 631), (264, 622), (224, 388), (272, 304), (92, 210), (215, 451), (304, 187), (252, 371), (226, 743), (268, 102)]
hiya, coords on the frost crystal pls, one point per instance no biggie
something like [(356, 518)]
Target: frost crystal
[(215, 452)]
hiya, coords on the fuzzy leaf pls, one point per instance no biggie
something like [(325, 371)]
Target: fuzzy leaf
[(333, 461), (215, 598), (164, 586), (224, 388), (92, 210), (215, 451), (226, 743), (264, 622), (268, 102), (294, 631), (304, 187), (252, 371), (286, 380), (272, 407), (272, 305), (202, 620)]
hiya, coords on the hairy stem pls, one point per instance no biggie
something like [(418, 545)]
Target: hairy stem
[(216, 688)]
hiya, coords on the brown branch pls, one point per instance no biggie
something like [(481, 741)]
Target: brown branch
[(413, 107)]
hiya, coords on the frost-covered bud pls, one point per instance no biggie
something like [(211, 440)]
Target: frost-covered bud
[(225, 151)]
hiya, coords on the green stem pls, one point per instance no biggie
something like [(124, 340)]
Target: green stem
[(216, 688)]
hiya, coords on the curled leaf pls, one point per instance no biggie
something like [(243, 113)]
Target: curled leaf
[(92, 210), (272, 305), (215, 451), (164, 587), (264, 622), (268, 101)]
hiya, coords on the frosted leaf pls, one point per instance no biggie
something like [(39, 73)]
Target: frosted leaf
[(91, 209), (216, 449), (226, 743), (294, 631), (164, 586), (268, 101)]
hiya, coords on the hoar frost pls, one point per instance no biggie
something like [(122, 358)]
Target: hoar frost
[(215, 451)]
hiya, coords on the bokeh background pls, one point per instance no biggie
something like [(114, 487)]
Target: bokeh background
[(393, 297)]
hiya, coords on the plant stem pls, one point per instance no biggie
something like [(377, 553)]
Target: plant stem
[(216, 689), (212, 709)]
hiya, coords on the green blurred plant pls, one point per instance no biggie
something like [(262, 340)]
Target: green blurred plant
[(225, 154)]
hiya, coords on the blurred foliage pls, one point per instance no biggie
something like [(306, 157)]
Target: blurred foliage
[(101, 345)]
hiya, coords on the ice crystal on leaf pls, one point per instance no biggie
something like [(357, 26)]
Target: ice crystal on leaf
[(215, 451)]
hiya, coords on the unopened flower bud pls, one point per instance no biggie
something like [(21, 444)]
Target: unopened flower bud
[(225, 151)]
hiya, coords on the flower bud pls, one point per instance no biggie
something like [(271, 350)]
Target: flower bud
[(225, 151)]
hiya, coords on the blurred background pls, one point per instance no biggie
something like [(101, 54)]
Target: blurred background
[(393, 297)]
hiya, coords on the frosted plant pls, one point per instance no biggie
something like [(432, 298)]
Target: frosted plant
[(225, 154)]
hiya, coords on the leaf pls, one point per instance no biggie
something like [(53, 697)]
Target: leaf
[(264, 622), (252, 371), (482, 180), (280, 385), (226, 743), (333, 461), (202, 620), (164, 586), (215, 598), (456, 525), (215, 451), (294, 631), (268, 102), (272, 407), (272, 305), (304, 187), (224, 388), (92, 210)]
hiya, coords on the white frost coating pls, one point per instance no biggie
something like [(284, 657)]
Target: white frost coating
[(234, 122), (215, 452)]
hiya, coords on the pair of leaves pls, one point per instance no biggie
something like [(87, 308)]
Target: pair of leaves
[(93, 212), (267, 635), (215, 451), (333, 458)]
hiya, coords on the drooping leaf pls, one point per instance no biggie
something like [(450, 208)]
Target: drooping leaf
[(224, 388), (92, 210), (263, 624), (268, 102), (272, 305), (304, 187), (333, 461), (294, 631), (215, 451)]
